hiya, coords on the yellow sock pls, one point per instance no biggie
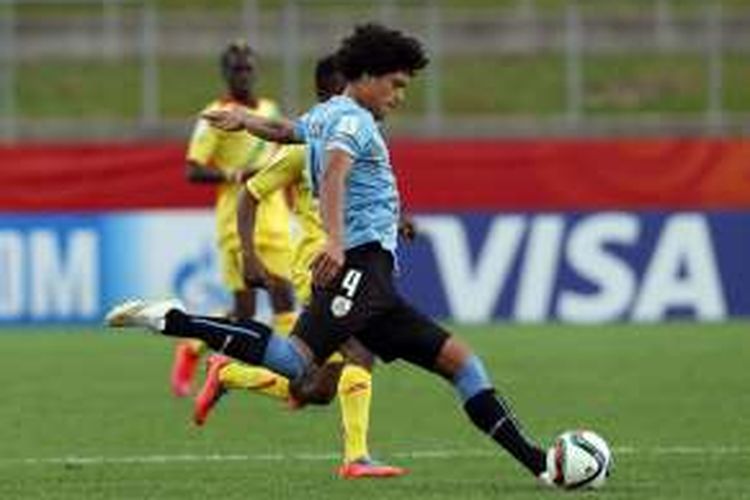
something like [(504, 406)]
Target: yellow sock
[(355, 393), (254, 378), (284, 322)]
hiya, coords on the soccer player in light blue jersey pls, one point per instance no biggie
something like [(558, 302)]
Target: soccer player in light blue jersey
[(354, 294)]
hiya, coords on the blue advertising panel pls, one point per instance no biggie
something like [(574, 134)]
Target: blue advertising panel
[(588, 267), (72, 268), (581, 267)]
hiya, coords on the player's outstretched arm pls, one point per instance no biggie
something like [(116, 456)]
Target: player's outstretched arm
[(196, 172), (279, 130)]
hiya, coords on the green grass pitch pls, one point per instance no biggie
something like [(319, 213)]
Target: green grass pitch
[(87, 414)]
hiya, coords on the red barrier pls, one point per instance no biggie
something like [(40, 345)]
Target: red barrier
[(97, 177), (434, 175), (576, 174)]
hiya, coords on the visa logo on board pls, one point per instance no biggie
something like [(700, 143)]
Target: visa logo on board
[(591, 268)]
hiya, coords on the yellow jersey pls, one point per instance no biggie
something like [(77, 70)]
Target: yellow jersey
[(232, 151), (287, 169)]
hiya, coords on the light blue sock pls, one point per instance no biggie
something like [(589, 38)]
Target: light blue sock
[(283, 357), (471, 379)]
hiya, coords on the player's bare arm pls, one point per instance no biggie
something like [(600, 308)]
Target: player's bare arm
[(232, 119), (254, 271), (199, 173), (329, 262)]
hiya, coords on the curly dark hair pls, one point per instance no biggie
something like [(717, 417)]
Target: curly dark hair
[(328, 79), (376, 50)]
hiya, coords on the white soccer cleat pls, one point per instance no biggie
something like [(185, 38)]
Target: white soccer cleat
[(142, 313)]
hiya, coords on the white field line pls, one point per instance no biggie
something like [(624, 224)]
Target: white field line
[(332, 457)]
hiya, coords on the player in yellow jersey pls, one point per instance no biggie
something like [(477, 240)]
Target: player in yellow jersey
[(287, 171), (228, 159)]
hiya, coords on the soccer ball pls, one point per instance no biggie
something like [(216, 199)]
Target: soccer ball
[(579, 459)]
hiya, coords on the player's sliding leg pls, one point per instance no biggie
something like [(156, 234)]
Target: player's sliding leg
[(223, 375), (234, 375)]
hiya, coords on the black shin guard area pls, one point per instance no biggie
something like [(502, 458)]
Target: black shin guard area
[(246, 347), (484, 410), (492, 415), (175, 324), (245, 341)]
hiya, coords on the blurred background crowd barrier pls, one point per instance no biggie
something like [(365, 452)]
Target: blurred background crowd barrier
[(139, 68)]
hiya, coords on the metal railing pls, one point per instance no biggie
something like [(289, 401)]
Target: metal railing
[(137, 33)]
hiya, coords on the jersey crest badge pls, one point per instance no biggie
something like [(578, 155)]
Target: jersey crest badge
[(340, 306)]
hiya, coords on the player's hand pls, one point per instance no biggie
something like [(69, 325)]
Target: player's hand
[(254, 273), (228, 119), (407, 229), (246, 174), (241, 176), (327, 264)]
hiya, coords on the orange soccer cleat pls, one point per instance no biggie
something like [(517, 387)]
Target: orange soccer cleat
[(368, 468), (183, 369), (212, 389)]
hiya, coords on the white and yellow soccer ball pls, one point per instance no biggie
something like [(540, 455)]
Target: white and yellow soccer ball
[(579, 459)]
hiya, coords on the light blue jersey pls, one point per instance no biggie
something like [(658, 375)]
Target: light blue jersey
[(371, 211)]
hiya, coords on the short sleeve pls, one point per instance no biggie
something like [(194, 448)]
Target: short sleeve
[(300, 127), (348, 135), (284, 169), (203, 142)]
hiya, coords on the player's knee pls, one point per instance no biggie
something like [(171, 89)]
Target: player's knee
[(318, 385), (452, 357), (356, 354)]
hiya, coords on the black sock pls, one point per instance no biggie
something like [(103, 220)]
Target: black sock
[(492, 415), (245, 340)]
